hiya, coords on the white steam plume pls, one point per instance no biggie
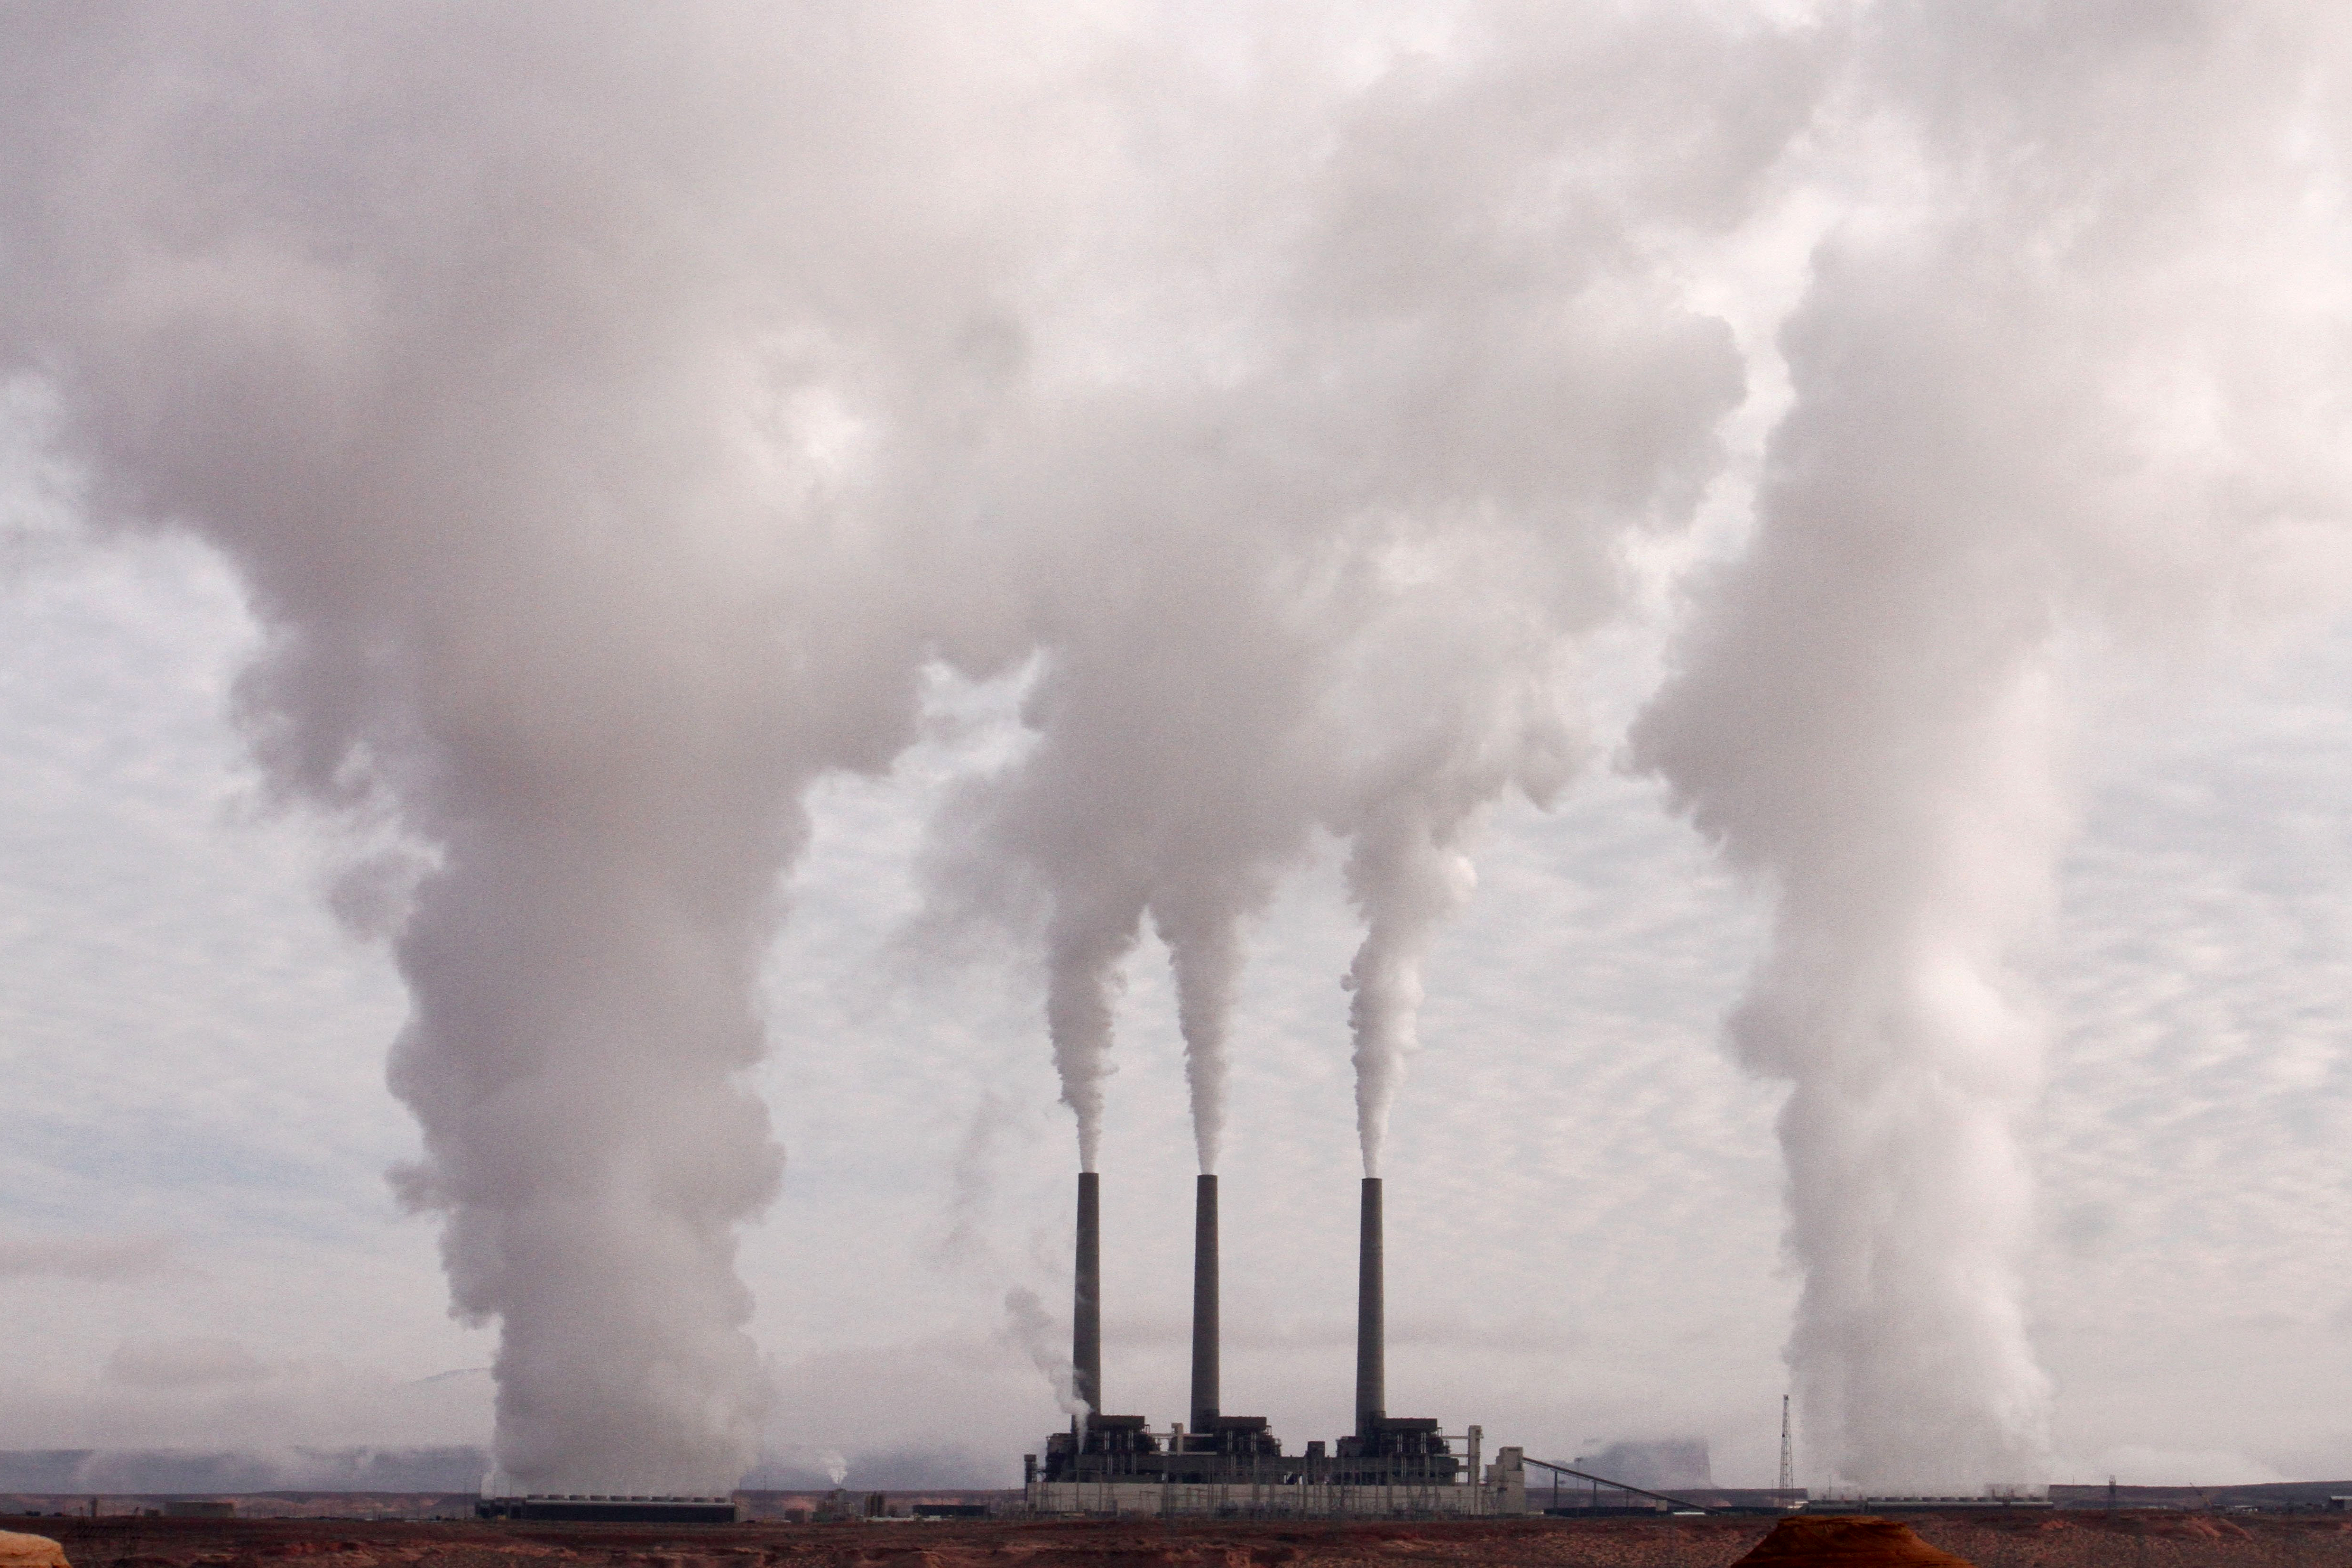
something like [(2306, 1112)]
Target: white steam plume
[(558, 378), (1319, 552), (1033, 1331), (2080, 366), (1405, 880)]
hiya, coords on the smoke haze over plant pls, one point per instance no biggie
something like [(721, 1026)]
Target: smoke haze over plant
[(1317, 558), (613, 422)]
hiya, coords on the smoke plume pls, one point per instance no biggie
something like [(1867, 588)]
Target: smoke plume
[(2039, 394), (1032, 1331), (1318, 560), (535, 367)]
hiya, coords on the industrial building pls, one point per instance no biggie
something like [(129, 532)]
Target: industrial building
[(1220, 1464), (606, 1509)]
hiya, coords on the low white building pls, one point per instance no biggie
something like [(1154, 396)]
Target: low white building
[(1502, 1491)]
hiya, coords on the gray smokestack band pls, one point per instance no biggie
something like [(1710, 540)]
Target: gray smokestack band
[(1085, 1312), (1371, 1363), (1204, 1304)]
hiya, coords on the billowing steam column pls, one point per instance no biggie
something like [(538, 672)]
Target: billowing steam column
[(1085, 1310), (1204, 1305), (1372, 1361)]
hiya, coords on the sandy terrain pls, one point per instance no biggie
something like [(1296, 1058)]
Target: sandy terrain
[(2069, 1540)]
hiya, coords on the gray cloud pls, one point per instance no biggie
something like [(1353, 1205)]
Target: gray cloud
[(183, 1363), (102, 1259)]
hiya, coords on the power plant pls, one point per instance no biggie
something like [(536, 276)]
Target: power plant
[(1233, 1464)]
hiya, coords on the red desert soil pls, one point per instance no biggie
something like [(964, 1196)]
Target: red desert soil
[(2071, 1540), (1847, 1543)]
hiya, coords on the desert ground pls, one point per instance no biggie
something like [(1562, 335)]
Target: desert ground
[(2071, 1539)]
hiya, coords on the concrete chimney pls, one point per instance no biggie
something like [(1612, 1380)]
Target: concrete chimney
[(1086, 1314), (1371, 1363), (1205, 1306)]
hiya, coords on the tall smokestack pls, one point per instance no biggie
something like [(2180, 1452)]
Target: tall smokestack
[(1085, 1313), (1372, 1365), (1204, 1304)]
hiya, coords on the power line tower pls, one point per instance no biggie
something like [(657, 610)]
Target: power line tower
[(1787, 1453)]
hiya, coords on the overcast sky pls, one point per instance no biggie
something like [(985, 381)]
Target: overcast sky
[(199, 1247)]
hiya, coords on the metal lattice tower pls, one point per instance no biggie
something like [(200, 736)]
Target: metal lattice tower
[(1788, 1452)]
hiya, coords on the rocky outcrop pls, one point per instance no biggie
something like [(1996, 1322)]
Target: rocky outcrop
[(20, 1551), (1846, 1542)]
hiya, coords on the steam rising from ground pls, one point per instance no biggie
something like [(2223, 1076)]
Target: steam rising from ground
[(526, 363), (612, 414), (2085, 367)]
